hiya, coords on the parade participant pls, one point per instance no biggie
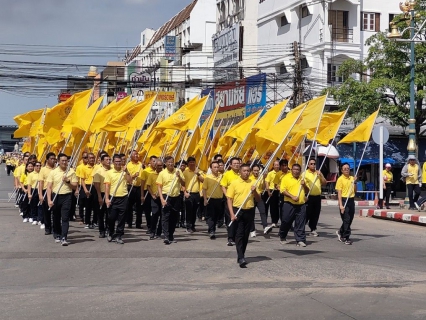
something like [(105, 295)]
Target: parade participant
[(213, 198), (123, 160), (387, 185), (115, 182), (25, 204), (294, 188), (284, 170), (346, 189), (145, 195), (314, 180), (169, 183), (89, 191), (193, 178), (60, 185), (99, 204), (260, 205), (79, 192), (271, 196), (17, 176), (8, 165), (412, 173), (42, 186), (241, 194), (134, 167), (226, 180), (151, 186), (33, 195), (221, 171)]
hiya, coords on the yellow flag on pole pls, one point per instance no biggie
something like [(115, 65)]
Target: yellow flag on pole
[(362, 132), (271, 116), (329, 126), (84, 122)]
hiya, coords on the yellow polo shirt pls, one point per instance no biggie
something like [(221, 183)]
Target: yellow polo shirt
[(238, 191), (259, 187), (42, 176), (87, 173), (23, 179), (166, 178), (79, 171), (212, 187), (414, 170), (270, 178), (344, 184), (32, 179), (19, 171), (145, 175), (118, 188), (151, 182), (98, 176), (135, 168), (228, 177), (310, 177), (279, 177), (292, 186), (55, 177), (388, 175), (192, 183)]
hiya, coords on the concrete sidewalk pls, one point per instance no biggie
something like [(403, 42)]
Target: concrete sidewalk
[(361, 203), (400, 215)]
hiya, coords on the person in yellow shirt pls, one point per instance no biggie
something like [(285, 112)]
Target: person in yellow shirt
[(260, 205), (284, 170), (241, 195), (294, 188), (25, 203), (169, 183), (33, 195), (9, 165), (193, 178), (314, 180), (42, 187), (346, 189), (156, 222), (99, 186), (116, 197), (412, 173), (89, 192), (79, 192), (271, 196), (145, 195), (387, 186), (227, 178), (20, 169), (213, 198), (134, 167), (60, 186)]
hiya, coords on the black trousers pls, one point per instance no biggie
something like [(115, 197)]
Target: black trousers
[(25, 206), (296, 213), (221, 218), (313, 211), (273, 204), (36, 210), (262, 211), (117, 212), (147, 208), (386, 195), (156, 221), (88, 205), (81, 201), (214, 210), (413, 193), (191, 206), (47, 214), (242, 230), (347, 217), (20, 199), (170, 215), (100, 212), (9, 169), (61, 214), (134, 199)]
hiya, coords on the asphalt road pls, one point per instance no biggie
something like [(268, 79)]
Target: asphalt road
[(381, 276)]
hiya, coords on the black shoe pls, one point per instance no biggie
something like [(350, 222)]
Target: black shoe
[(151, 237), (242, 262), (129, 226), (101, 234), (230, 243), (47, 232), (148, 231), (193, 229), (212, 236), (138, 227), (166, 241), (119, 240), (387, 207), (91, 226)]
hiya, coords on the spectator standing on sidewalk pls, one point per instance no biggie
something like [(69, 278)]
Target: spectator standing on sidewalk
[(412, 173), (387, 186)]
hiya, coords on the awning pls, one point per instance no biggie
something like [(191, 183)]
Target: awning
[(365, 161)]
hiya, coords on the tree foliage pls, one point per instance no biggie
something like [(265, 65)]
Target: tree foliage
[(383, 78)]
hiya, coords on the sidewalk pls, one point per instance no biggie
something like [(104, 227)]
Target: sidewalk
[(360, 203), (400, 215)]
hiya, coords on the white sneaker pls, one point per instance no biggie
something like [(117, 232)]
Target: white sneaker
[(25, 220), (267, 230), (35, 223), (253, 234), (16, 206), (31, 220), (314, 233), (21, 214), (301, 244), (42, 226), (273, 225), (39, 223)]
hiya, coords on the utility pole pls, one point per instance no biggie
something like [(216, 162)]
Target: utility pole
[(298, 96)]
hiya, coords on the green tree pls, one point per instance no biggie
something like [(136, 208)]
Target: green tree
[(384, 77)]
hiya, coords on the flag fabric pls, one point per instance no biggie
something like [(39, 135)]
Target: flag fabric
[(80, 104), (186, 118), (28, 123), (362, 132), (83, 123), (271, 116), (140, 118), (311, 115), (328, 128)]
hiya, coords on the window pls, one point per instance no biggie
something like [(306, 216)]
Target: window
[(304, 63), (331, 74), (305, 11), (391, 16), (283, 69), (370, 21), (283, 21), (143, 40)]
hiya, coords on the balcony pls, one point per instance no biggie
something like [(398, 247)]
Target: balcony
[(342, 34)]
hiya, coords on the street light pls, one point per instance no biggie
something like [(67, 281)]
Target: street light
[(408, 9)]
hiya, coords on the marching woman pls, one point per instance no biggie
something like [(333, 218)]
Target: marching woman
[(33, 196), (26, 211)]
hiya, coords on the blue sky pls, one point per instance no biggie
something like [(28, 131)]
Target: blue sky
[(101, 23)]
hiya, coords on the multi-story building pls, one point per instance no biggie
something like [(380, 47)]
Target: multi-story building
[(177, 57), (111, 82)]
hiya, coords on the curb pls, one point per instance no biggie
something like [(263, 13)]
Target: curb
[(395, 216), (357, 203)]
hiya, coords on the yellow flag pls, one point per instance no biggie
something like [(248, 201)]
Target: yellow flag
[(23, 130), (361, 133), (310, 117), (329, 126), (26, 122), (271, 116), (83, 123), (190, 147), (53, 135), (214, 144), (186, 118), (140, 118)]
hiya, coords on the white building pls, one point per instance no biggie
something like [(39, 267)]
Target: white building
[(328, 32), (176, 57)]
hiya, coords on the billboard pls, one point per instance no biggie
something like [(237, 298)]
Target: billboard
[(170, 47), (209, 105), (226, 48), (255, 93), (232, 98), (162, 96)]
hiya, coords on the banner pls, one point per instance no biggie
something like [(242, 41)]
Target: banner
[(162, 96), (255, 93)]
